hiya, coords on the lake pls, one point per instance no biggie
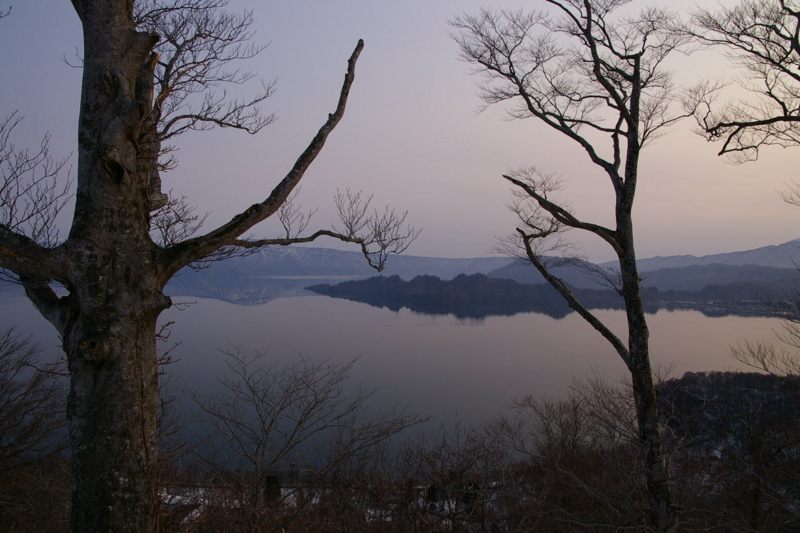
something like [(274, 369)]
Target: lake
[(436, 365)]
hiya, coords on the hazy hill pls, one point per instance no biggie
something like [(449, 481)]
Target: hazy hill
[(780, 256), (696, 277), (284, 271), (524, 272), (771, 280)]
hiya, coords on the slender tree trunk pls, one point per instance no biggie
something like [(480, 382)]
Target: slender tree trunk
[(663, 516)]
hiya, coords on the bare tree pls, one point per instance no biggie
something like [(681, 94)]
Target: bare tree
[(31, 195), (598, 80), (761, 38), (302, 419), (33, 485), (582, 456), (32, 419), (112, 268), (461, 471)]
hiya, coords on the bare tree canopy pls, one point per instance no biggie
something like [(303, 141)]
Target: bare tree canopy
[(299, 418), (761, 38), (199, 47), (31, 402), (31, 194), (597, 79)]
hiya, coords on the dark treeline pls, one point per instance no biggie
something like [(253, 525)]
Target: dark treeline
[(474, 296), (479, 296)]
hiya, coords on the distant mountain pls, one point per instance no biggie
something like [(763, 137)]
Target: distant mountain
[(283, 271), (409, 266), (780, 256), (322, 262), (762, 279), (697, 277)]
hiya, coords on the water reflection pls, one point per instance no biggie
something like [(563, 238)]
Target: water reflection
[(478, 296), (437, 364), (256, 290), (442, 365)]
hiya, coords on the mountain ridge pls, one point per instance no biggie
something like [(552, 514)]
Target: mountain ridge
[(262, 276), (778, 255)]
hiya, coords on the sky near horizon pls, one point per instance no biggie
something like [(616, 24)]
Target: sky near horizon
[(412, 134)]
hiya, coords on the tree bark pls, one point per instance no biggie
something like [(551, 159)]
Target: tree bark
[(112, 273), (112, 406)]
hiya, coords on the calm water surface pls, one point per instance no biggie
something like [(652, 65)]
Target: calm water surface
[(437, 365)]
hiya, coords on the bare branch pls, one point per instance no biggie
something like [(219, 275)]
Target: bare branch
[(21, 257), (298, 418), (792, 193), (31, 198), (537, 186), (291, 217), (767, 357), (183, 84), (199, 42), (32, 418), (379, 234), (175, 222), (761, 37), (586, 86), (200, 247), (31, 194), (572, 301)]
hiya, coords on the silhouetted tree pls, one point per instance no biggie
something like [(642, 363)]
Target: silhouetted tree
[(32, 419), (598, 80), (110, 265)]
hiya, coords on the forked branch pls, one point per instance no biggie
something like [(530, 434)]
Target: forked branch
[(379, 234), (31, 193), (198, 248)]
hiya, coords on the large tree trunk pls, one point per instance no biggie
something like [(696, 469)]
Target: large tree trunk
[(112, 406), (114, 282)]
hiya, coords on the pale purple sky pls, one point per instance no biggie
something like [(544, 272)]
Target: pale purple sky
[(411, 134)]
